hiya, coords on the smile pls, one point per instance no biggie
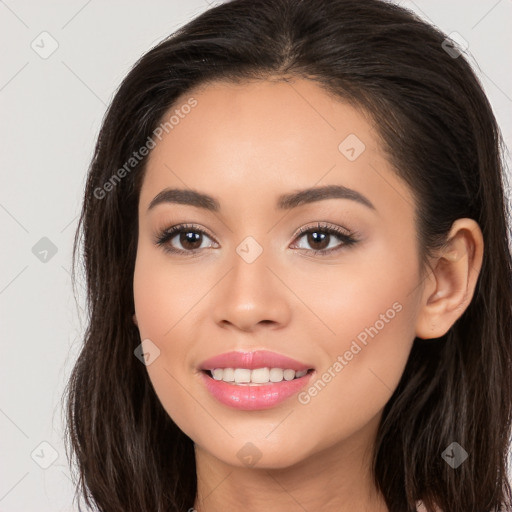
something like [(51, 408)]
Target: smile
[(254, 380), (257, 376)]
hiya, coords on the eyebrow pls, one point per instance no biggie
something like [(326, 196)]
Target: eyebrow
[(285, 201)]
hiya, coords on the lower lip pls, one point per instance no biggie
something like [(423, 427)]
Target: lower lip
[(252, 398)]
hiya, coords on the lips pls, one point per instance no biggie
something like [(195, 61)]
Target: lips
[(251, 396)]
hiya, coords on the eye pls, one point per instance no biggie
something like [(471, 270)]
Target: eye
[(321, 238), (191, 238)]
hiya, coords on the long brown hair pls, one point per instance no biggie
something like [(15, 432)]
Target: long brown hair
[(440, 134)]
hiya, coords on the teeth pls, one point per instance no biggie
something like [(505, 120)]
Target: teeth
[(276, 375), (289, 374), (242, 375), (217, 373), (260, 375), (257, 376), (228, 374)]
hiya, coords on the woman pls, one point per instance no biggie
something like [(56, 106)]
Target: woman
[(296, 250)]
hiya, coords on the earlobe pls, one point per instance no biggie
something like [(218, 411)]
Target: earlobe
[(452, 282)]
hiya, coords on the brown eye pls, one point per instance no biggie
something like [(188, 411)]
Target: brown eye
[(190, 239), (324, 239), (318, 240), (183, 239)]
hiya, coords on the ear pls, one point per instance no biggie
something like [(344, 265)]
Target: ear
[(450, 286), (135, 319)]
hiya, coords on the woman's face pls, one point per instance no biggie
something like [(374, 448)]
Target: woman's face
[(330, 279)]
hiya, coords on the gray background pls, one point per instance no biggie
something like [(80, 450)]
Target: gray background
[(51, 110)]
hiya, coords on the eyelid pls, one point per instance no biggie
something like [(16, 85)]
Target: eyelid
[(324, 226), (345, 236), (164, 235)]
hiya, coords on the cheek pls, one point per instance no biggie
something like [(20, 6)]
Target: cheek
[(165, 296), (369, 308), (164, 293), (368, 296)]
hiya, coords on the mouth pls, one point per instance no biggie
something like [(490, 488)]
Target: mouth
[(254, 380), (257, 376)]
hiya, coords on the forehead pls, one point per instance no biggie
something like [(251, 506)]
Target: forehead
[(263, 135), (268, 116)]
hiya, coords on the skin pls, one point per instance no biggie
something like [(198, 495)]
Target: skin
[(246, 144)]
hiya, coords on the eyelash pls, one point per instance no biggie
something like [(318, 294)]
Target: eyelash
[(347, 238)]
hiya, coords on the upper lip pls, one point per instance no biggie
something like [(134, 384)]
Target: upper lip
[(252, 360)]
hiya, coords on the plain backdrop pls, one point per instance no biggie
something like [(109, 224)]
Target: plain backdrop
[(61, 63)]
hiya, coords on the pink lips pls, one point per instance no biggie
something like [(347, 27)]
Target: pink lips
[(256, 397)]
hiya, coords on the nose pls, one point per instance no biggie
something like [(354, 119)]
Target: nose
[(252, 297)]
